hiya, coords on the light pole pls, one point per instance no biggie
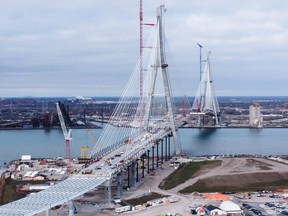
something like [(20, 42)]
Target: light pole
[(200, 99), (200, 46)]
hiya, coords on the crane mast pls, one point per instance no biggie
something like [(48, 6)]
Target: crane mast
[(93, 139), (67, 137), (92, 136)]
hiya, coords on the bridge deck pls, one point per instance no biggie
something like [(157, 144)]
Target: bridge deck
[(78, 184), (55, 195)]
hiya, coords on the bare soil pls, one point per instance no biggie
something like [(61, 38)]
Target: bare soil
[(238, 174), (207, 168), (242, 182), (2, 186)]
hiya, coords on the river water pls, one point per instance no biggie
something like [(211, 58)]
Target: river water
[(50, 143)]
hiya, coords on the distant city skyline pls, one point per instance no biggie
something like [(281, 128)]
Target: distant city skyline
[(89, 48)]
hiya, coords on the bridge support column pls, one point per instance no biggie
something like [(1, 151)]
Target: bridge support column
[(48, 212), (143, 165), (162, 149), (71, 208), (157, 153), (128, 172), (169, 147), (133, 174), (153, 148), (166, 149), (108, 188), (148, 158), (137, 170), (119, 184)]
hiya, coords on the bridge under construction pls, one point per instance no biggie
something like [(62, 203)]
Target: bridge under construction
[(140, 128), (205, 104)]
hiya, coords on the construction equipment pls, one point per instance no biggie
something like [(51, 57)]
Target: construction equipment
[(67, 137), (85, 152), (94, 141)]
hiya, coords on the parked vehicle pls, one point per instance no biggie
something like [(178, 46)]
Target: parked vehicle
[(123, 209)]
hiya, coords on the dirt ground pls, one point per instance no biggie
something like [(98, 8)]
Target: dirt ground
[(2, 184), (239, 172), (230, 171), (235, 171)]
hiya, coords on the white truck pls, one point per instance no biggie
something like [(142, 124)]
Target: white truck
[(123, 209)]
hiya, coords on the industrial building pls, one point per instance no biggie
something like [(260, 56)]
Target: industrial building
[(255, 118)]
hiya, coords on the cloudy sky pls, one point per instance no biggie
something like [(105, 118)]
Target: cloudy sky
[(90, 47)]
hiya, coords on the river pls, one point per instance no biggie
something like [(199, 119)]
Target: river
[(50, 143)]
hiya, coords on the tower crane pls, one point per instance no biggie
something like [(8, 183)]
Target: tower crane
[(67, 136), (92, 136), (93, 139), (85, 150)]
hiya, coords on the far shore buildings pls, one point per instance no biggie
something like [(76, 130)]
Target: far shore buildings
[(255, 118)]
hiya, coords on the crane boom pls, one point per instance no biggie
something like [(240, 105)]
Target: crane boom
[(67, 137), (93, 139), (62, 122)]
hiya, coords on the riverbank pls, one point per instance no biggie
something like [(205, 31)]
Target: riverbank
[(90, 126), (94, 126)]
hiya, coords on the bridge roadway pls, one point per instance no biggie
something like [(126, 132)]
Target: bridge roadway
[(78, 184)]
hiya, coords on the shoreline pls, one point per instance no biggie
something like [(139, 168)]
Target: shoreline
[(234, 127), (98, 127), (52, 128)]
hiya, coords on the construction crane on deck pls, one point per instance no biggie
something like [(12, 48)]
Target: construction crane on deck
[(92, 136), (67, 136), (93, 139)]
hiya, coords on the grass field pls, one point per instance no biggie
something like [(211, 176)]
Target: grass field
[(184, 173), (10, 189), (10, 193)]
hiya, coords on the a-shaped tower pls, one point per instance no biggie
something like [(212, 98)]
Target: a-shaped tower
[(206, 104)]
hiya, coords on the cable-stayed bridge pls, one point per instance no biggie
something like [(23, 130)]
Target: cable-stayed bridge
[(141, 126), (205, 104)]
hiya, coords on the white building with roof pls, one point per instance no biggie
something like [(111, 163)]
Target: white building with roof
[(231, 208)]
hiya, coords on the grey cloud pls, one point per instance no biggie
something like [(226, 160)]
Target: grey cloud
[(49, 47)]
